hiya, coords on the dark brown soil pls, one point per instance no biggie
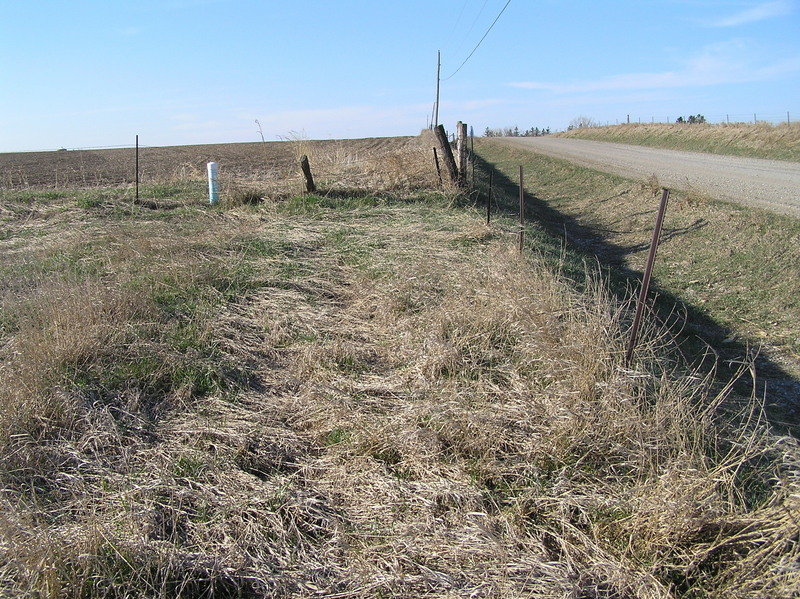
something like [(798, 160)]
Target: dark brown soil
[(112, 167)]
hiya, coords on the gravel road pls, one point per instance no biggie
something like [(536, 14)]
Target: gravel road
[(770, 184)]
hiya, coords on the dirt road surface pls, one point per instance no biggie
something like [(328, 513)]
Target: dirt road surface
[(769, 184)]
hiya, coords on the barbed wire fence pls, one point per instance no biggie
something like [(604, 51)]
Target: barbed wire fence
[(771, 118)]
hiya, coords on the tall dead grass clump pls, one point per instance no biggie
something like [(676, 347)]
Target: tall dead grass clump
[(63, 329), (65, 325), (622, 473), (399, 168)]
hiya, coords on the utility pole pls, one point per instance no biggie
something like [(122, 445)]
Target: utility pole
[(438, 74)]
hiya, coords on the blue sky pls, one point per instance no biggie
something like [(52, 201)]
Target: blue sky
[(81, 74)]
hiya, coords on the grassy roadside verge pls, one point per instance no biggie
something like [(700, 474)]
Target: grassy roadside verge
[(761, 140), (356, 396), (728, 265)]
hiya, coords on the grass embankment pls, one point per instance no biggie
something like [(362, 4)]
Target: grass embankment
[(356, 397), (761, 140), (734, 265)]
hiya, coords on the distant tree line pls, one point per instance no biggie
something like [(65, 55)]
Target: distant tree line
[(692, 119), (581, 122), (515, 132)]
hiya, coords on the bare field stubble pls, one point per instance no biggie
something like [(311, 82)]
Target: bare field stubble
[(354, 395)]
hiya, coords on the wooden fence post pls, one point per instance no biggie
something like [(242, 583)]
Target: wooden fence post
[(447, 153), (306, 168), (461, 146)]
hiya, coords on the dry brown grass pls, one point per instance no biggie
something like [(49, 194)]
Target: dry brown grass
[(385, 400)]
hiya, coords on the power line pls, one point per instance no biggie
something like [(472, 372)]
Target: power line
[(471, 27), (461, 12), (480, 42)]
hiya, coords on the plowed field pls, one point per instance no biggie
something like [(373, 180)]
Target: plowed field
[(111, 167)]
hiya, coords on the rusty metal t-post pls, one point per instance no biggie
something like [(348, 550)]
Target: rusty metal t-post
[(521, 212), (648, 273), (489, 199), (137, 168)]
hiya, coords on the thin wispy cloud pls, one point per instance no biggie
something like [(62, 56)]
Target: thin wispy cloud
[(131, 31), (760, 12), (716, 65), (183, 4), (471, 105)]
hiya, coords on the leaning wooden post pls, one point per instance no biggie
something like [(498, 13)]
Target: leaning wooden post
[(521, 212), (447, 153), (310, 187), (648, 272), (461, 146)]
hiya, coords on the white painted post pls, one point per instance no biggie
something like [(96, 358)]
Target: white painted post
[(213, 183)]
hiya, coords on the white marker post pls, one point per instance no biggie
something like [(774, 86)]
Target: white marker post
[(213, 183)]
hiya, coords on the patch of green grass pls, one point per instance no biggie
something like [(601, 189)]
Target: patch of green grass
[(348, 363), (388, 456), (137, 372), (165, 191), (337, 436), (186, 335), (88, 203), (250, 247), (69, 262), (157, 370), (289, 269), (353, 246), (234, 281), (29, 196), (337, 203), (177, 300), (190, 466), (216, 285), (299, 205), (51, 195)]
